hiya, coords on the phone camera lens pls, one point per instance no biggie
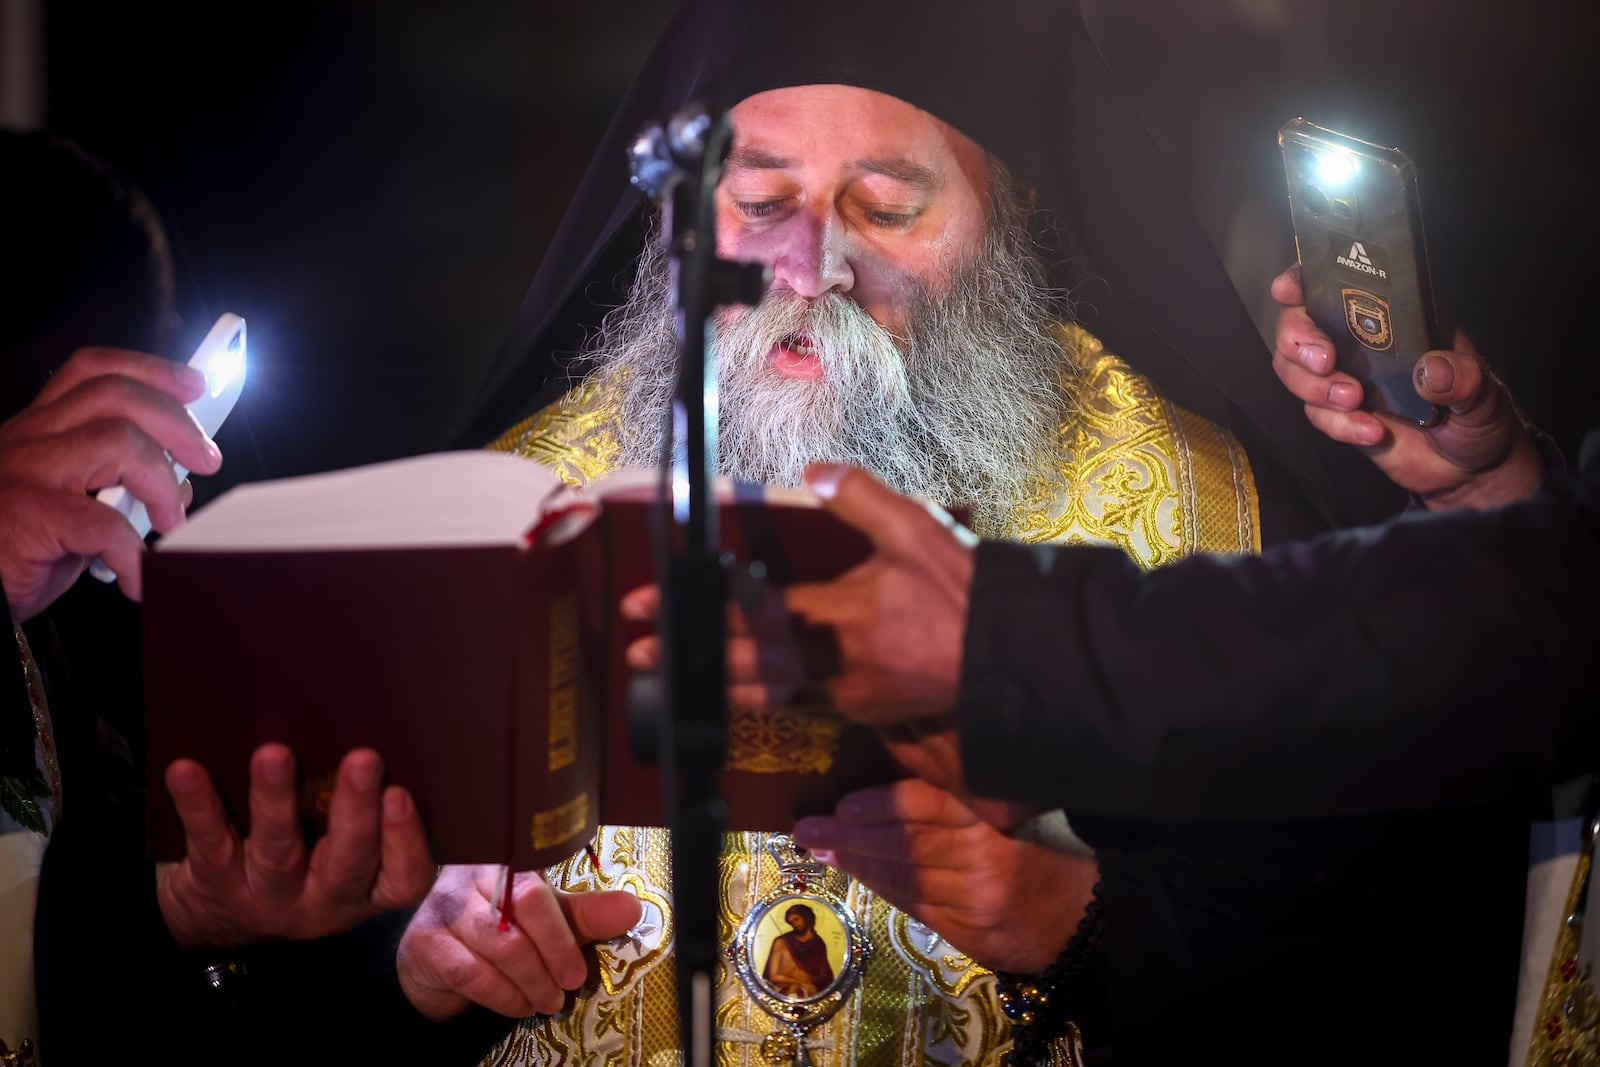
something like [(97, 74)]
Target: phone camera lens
[(1305, 162), (1315, 200)]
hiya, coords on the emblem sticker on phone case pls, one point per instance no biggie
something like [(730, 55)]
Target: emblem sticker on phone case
[(1359, 257), (1367, 315)]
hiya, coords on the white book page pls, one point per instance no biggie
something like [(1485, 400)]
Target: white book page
[(571, 509), (473, 497), (642, 483)]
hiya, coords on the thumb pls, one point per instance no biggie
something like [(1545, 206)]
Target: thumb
[(601, 915), (1456, 378), (1286, 288), (90, 529), (858, 498)]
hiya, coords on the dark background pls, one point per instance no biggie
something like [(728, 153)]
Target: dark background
[(1495, 103), (371, 185)]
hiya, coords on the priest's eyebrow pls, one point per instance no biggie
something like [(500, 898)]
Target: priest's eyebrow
[(908, 171), (745, 157), (919, 176)]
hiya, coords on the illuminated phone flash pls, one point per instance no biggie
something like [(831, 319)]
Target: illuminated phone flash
[(1335, 168), (227, 365), (220, 357)]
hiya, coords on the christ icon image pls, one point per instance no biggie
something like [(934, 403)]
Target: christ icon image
[(797, 964)]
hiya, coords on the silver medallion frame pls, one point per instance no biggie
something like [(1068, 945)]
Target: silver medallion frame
[(803, 882)]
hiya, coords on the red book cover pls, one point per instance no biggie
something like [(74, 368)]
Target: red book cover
[(480, 654)]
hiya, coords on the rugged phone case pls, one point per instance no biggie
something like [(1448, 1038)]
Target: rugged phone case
[(1363, 260)]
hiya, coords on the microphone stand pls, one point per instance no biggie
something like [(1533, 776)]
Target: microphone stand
[(678, 162)]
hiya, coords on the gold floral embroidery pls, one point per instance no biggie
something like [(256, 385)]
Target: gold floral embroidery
[(1566, 1032), (1136, 472), (1133, 471), (34, 801), (775, 742), (576, 436)]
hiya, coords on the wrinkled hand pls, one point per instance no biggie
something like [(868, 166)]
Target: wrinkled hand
[(107, 416), (897, 619), (454, 953), (1479, 454), (896, 622), (228, 892), (1009, 904)]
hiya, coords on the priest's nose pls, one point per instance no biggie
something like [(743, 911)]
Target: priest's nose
[(811, 259)]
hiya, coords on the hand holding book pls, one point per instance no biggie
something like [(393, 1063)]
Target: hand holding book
[(880, 646), (229, 891), (457, 612)]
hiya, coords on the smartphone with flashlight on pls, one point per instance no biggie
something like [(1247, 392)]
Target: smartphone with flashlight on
[(1363, 260), (220, 356)]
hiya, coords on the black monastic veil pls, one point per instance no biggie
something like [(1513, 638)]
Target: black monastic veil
[(1026, 81)]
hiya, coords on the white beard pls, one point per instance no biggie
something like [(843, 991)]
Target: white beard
[(963, 410)]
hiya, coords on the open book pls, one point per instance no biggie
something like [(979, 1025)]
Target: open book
[(458, 612)]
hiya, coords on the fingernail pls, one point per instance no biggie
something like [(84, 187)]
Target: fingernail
[(640, 657), (1314, 359), (185, 779), (1436, 374), (824, 856), (191, 378), (1344, 395), (213, 453), (807, 833), (397, 805), (276, 771), (823, 478), (366, 774)]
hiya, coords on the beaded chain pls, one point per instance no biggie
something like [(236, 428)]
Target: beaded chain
[(1035, 1003)]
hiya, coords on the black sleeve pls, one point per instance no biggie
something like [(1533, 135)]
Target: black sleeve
[(102, 952), (1437, 660)]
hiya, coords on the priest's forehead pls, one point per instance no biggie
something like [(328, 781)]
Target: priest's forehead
[(826, 128)]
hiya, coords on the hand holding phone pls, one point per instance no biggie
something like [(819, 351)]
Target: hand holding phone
[(221, 358), (1363, 261)]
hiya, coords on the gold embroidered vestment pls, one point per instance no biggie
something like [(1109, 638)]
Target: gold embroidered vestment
[(1130, 470)]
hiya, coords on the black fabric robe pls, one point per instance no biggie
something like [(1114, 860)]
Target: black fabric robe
[(1438, 660), (1381, 681)]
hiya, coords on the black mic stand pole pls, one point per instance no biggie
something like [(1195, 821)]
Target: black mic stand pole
[(679, 162)]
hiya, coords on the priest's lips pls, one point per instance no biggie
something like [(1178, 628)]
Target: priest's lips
[(794, 357)]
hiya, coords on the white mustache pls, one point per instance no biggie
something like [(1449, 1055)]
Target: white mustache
[(857, 354)]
